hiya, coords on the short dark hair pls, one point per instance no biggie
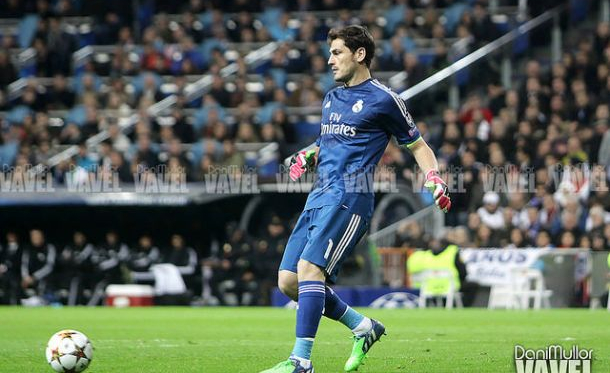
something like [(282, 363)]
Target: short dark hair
[(354, 37)]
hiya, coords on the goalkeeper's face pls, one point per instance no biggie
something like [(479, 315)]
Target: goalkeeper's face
[(343, 62)]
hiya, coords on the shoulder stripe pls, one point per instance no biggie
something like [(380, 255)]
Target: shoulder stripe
[(399, 101)]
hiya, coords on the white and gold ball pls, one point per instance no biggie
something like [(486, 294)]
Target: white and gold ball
[(69, 351)]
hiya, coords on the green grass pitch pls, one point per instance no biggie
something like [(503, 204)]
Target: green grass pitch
[(248, 340)]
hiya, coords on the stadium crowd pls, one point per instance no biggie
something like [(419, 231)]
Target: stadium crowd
[(553, 124), (529, 165), (168, 52)]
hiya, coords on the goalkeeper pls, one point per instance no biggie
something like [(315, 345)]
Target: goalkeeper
[(358, 119)]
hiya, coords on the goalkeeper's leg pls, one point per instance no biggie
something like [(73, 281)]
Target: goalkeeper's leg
[(334, 307), (366, 331)]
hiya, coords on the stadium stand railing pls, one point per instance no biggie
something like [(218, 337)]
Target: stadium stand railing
[(484, 51), (430, 218)]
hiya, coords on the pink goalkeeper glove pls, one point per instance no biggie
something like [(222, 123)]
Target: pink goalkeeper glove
[(302, 162), (438, 188)]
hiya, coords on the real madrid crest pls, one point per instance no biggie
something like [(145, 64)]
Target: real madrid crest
[(357, 106)]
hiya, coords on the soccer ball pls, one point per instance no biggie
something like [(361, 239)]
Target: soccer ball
[(69, 351)]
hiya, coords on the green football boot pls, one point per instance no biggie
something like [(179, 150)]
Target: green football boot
[(363, 344), (289, 366)]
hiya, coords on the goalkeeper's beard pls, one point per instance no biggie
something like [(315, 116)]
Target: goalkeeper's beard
[(346, 77)]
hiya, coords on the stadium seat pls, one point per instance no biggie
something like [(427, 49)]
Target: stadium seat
[(8, 152), (526, 285), (393, 16), (578, 10), (453, 14), (18, 114), (500, 297), (77, 115), (27, 30)]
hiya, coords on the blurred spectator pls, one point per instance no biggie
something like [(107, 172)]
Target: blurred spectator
[(73, 264), (10, 269), (107, 27), (181, 129), (517, 239), (119, 141), (543, 239), (70, 134), (231, 156), (490, 214), (265, 259), (410, 235), (306, 94), (434, 258), (145, 157), (597, 218), (8, 73), (232, 281), (119, 165), (60, 96), (174, 277), (60, 44), (106, 260), (219, 92), (12, 8), (83, 160), (483, 29), (182, 256), (484, 237), (142, 257), (567, 240), (37, 264), (415, 71)]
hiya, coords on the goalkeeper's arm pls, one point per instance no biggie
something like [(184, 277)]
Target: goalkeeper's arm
[(427, 162)]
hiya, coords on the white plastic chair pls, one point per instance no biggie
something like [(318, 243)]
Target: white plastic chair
[(525, 285), (452, 297), (500, 296), (528, 285)]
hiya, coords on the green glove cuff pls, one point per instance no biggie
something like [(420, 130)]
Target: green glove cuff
[(310, 158)]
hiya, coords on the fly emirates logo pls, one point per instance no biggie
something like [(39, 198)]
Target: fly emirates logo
[(337, 129)]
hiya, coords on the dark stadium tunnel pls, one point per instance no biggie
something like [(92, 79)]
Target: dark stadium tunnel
[(199, 224)]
